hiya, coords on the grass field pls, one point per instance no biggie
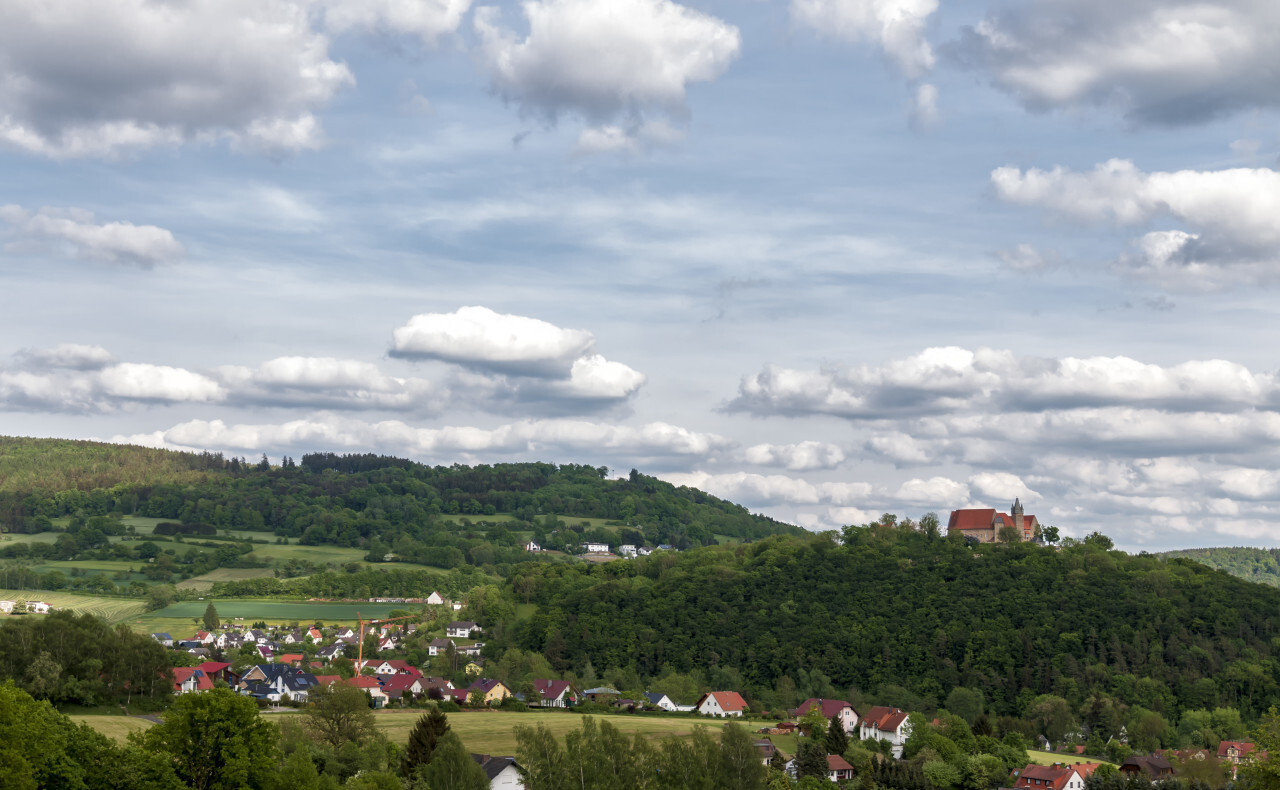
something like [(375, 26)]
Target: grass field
[(275, 611), (117, 728), (1049, 758), (315, 554), (205, 581), (109, 609), (34, 537), (90, 567)]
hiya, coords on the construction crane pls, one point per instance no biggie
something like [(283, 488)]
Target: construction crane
[(362, 622)]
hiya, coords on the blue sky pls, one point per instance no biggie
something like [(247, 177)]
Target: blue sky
[(827, 258)]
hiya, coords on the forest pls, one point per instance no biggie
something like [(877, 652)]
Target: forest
[(898, 616), (1254, 564)]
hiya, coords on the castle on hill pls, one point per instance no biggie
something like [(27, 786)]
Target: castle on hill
[(985, 524)]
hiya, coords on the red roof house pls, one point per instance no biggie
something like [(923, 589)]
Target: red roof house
[(984, 524), (721, 703)]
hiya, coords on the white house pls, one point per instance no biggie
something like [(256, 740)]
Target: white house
[(831, 708), (6, 607), (886, 724), (439, 646), (661, 701), (38, 607), (435, 599), (721, 704), (503, 772), (531, 546), (461, 629), (627, 550), (596, 548)]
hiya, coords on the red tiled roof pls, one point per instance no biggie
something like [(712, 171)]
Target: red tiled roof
[(550, 689), (214, 667), (398, 682), (327, 680), (830, 707), (183, 674), (1086, 769), (364, 682), (884, 719), (1055, 776), (972, 519), (727, 700), (1244, 746), (837, 763)]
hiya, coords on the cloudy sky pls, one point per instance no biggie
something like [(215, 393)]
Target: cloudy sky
[(827, 258)]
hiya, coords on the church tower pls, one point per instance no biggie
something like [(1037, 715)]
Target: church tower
[(1015, 513)]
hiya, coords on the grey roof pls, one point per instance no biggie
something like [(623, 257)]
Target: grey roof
[(654, 697), (493, 765)]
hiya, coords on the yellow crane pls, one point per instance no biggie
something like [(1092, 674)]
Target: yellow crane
[(362, 622)]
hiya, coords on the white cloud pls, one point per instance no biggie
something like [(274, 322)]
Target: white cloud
[(326, 382), (479, 337), (545, 439), (1159, 61), (86, 379), (801, 456), (1234, 209), (897, 26), (140, 381), (1001, 485), (98, 77), (614, 64), (596, 377), (428, 19), (956, 380), (75, 232), (70, 356)]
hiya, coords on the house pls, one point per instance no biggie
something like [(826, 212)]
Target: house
[(293, 638), (330, 652), (531, 546), (503, 772), (1050, 777), (462, 629), (292, 659), (493, 691), (429, 683), (163, 639), (400, 685), (644, 551), (1153, 766), (985, 524), (554, 693), (199, 652), (220, 670), (471, 650), (7, 608), (721, 703), (831, 708), (596, 548), (38, 607), (627, 550), (602, 694), (371, 686), (886, 724), (435, 599), (838, 768), (315, 636), (1234, 752), (659, 700), (345, 633), (187, 680), (276, 682), (439, 646), (767, 750)]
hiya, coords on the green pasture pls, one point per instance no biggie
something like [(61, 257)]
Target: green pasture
[(89, 567), (318, 555), (34, 537), (205, 581), (117, 728), (274, 612), (1049, 758), (109, 609)]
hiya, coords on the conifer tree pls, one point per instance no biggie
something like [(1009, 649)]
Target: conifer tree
[(211, 621), (811, 758), (423, 739), (837, 738)]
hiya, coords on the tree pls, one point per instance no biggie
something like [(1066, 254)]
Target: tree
[(930, 525), (1049, 534), (423, 740), (211, 621), (811, 758), (740, 767), (1264, 774), (451, 769), (339, 714), (217, 741), (837, 739), (813, 723)]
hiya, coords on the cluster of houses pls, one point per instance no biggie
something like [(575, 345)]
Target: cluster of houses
[(28, 607), (604, 549)]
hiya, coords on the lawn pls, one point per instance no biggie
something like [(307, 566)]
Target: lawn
[(109, 609), (1049, 758), (117, 728)]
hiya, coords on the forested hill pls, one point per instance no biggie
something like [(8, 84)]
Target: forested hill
[(383, 504), (1255, 565), (905, 618)]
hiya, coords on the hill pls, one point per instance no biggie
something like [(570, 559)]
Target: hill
[(89, 504), (1255, 565), (908, 619)]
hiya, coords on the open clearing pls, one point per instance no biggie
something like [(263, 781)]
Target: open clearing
[(275, 612), (109, 609), (117, 728), (205, 581), (1049, 758)]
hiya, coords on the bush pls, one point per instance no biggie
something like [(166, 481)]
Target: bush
[(449, 706)]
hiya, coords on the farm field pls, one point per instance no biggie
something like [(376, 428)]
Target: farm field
[(33, 537), (205, 581), (89, 567), (492, 732), (117, 728), (315, 554), (274, 612), (110, 609)]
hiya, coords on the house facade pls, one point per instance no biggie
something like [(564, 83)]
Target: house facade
[(721, 704), (886, 724), (461, 629), (555, 693), (1049, 777), (831, 708)]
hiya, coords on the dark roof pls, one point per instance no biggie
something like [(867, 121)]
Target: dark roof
[(493, 765)]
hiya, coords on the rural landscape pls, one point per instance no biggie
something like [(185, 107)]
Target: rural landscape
[(364, 621)]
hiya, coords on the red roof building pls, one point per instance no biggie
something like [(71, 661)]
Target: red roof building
[(838, 768), (721, 703), (831, 708), (984, 524), (1053, 777)]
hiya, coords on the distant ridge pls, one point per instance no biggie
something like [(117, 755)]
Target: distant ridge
[(30, 464), (1252, 564)]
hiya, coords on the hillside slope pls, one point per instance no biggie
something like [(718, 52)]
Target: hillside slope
[(1252, 564)]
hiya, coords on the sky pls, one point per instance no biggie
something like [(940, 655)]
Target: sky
[(825, 258)]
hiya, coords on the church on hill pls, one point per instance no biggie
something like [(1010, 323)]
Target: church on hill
[(985, 524)]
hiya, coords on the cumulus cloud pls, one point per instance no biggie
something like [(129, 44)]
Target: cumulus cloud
[(327, 382), (428, 19), (897, 26), (616, 65), (87, 379), (75, 233), (798, 457), (479, 337), (1155, 61), (955, 380), (1234, 211), (544, 439), (98, 77)]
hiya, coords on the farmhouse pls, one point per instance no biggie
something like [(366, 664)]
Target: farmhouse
[(554, 693), (886, 724), (721, 704), (1049, 777), (596, 548), (985, 524), (831, 708), (461, 629), (493, 691), (503, 772)]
